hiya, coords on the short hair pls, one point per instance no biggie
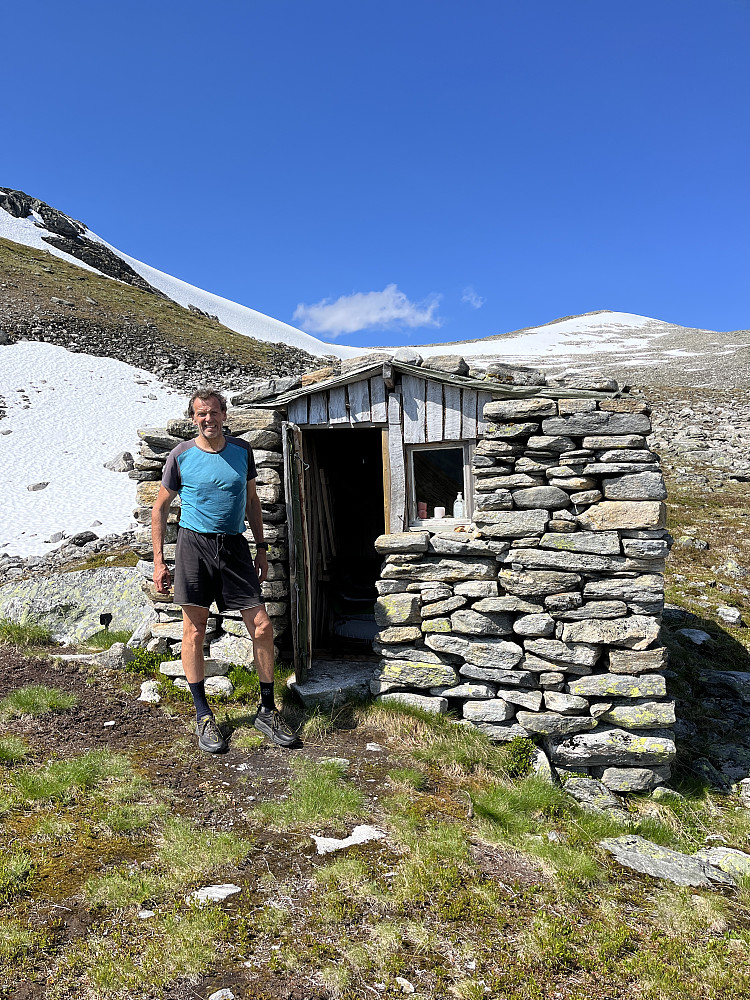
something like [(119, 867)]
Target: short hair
[(204, 395)]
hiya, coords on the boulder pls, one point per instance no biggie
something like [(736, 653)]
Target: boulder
[(660, 862), (453, 364), (121, 462), (613, 747), (70, 604)]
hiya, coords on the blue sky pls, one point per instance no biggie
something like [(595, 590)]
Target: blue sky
[(400, 171)]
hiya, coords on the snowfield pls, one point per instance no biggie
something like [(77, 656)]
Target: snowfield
[(68, 414), (239, 318)]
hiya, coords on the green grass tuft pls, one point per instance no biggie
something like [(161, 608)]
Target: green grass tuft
[(61, 780), (16, 870), (36, 699), (24, 634), (104, 639), (12, 749), (317, 792)]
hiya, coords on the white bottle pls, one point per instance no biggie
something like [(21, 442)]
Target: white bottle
[(458, 506)]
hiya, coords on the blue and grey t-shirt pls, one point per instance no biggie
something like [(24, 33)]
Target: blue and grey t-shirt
[(212, 485)]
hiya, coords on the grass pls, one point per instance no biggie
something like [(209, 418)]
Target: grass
[(185, 856), (35, 699), (64, 780), (317, 793), (16, 870), (24, 634), (13, 749), (104, 639)]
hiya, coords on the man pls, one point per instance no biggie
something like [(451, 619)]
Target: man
[(215, 477)]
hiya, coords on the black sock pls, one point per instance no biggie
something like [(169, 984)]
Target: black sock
[(198, 691), (266, 697)]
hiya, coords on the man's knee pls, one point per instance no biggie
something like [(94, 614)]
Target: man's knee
[(258, 624), (193, 631)]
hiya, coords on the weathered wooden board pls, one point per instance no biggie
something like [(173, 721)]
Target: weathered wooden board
[(337, 406), (299, 553), (397, 470), (359, 401), (468, 413), (378, 408), (482, 399), (298, 411), (319, 408), (413, 396), (452, 395), (434, 411)]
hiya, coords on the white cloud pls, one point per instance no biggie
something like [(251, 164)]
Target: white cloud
[(364, 310), (472, 298)]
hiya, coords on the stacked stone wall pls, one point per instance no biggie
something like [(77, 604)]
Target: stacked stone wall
[(542, 618), (226, 637)]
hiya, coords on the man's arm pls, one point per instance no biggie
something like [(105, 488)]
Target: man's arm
[(159, 515), (254, 517)]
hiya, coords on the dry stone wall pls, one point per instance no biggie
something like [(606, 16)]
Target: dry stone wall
[(542, 619), (226, 637)]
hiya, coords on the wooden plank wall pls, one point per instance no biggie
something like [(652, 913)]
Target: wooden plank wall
[(430, 411)]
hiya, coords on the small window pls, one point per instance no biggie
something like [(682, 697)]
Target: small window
[(439, 483)]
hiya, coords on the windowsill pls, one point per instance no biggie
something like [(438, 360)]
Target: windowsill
[(439, 523)]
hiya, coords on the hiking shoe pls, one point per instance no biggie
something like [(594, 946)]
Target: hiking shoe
[(209, 735), (272, 724)]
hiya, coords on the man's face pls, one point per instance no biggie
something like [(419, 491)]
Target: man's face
[(208, 417)]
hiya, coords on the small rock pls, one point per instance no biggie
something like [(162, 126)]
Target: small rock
[(405, 985), (695, 635), (150, 692), (661, 862), (146, 914), (213, 893), (36, 486), (223, 994), (732, 616), (362, 834), (219, 687)]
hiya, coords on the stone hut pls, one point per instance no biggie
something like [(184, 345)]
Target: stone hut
[(487, 543)]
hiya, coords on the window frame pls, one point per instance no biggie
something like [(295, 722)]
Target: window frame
[(432, 523)]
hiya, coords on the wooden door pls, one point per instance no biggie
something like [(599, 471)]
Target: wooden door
[(300, 610)]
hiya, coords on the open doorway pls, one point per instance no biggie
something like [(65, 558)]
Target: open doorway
[(344, 499)]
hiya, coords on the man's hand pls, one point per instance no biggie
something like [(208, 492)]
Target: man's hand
[(261, 564), (162, 578)]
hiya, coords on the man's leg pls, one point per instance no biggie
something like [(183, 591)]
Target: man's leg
[(194, 621), (268, 720)]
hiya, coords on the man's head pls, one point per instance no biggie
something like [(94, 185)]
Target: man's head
[(208, 410), (203, 395)]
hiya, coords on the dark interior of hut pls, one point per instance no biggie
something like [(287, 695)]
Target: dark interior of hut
[(344, 501)]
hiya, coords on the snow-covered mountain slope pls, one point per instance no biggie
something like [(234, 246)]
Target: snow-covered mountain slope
[(67, 414), (30, 231), (635, 348)]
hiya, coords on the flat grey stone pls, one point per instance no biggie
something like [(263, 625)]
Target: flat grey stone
[(405, 541), (605, 543), (438, 706), (660, 862), (443, 569), (458, 543), (174, 668), (598, 423), (477, 588), (737, 681), (397, 609), (727, 858), (406, 653), (333, 682), (611, 747), (623, 514), (593, 610), (537, 583), (568, 654), (502, 678), (233, 649), (442, 607), (519, 409), (510, 430), (539, 624), (552, 724), (635, 632), (511, 524), (500, 732), (506, 604), (635, 779), (391, 674), (568, 561), (565, 704), (547, 497), (470, 622), (695, 635), (634, 661), (532, 700), (638, 486), (593, 796), (465, 690), (639, 588), (494, 710), (619, 686), (641, 715)]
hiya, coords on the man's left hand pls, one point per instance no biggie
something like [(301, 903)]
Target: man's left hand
[(261, 564)]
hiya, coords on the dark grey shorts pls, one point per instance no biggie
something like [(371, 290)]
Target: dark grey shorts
[(215, 568)]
